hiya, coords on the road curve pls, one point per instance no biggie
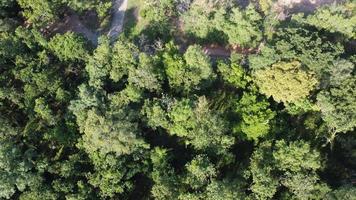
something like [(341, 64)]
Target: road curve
[(75, 25)]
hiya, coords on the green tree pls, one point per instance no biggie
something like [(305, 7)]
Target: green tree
[(42, 109), (39, 12), (346, 192), (99, 65), (225, 189), (241, 27), (166, 182), (337, 105), (187, 72), (115, 175), (300, 162), (264, 184), (147, 74), (266, 57), (295, 156), (124, 58), (111, 133), (197, 20), (341, 70), (198, 179), (16, 163), (68, 47), (200, 126), (197, 64), (101, 7), (313, 50), (199, 172), (159, 15), (158, 10), (88, 99), (255, 115), (130, 94), (292, 164), (155, 114), (335, 19), (195, 123), (305, 186), (6, 3), (233, 74)]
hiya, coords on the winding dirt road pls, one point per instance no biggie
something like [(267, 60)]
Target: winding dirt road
[(73, 23)]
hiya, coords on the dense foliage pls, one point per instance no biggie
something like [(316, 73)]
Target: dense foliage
[(158, 115)]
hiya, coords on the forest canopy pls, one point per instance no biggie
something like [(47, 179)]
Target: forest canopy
[(192, 100)]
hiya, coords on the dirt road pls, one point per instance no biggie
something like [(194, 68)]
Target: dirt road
[(73, 23), (119, 9)]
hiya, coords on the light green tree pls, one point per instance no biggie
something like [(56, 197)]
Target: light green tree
[(285, 81)]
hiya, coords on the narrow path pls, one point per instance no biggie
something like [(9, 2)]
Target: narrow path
[(117, 22), (288, 7), (225, 51), (73, 23)]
